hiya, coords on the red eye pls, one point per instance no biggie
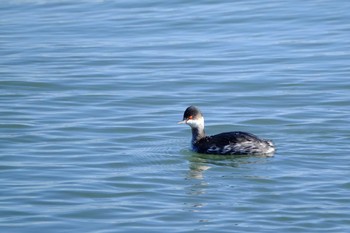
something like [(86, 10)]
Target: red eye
[(190, 117)]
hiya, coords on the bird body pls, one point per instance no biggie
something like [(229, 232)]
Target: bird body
[(228, 143)]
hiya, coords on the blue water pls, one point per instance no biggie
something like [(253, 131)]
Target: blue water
[(90, 93)]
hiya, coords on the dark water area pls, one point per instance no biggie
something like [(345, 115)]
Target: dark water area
[(91, 91)]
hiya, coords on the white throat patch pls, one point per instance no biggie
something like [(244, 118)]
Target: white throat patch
[(196, 123)]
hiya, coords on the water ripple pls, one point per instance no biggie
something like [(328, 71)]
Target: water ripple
[(91, 90)]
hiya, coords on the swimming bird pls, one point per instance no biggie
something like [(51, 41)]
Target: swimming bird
[(228, 143)]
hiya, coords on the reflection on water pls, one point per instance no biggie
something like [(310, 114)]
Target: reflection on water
[(196, 170), (205, 175), (199, 163)]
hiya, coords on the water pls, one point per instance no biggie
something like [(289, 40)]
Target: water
[(90, 93)]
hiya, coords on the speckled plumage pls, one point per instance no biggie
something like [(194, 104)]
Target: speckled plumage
[(229, 143)]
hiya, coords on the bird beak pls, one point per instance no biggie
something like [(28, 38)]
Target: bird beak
[(182, 122)]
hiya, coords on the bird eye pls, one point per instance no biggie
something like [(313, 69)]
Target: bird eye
[(190, 117)]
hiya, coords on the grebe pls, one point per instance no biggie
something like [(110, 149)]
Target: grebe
[(229, 143)]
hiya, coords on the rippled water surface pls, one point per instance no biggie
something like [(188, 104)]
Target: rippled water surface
[(90, 93)]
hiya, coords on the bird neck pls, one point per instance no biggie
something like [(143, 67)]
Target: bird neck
[(198, 132)]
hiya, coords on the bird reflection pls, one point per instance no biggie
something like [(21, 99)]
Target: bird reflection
[(196, 170), (199, 164)]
